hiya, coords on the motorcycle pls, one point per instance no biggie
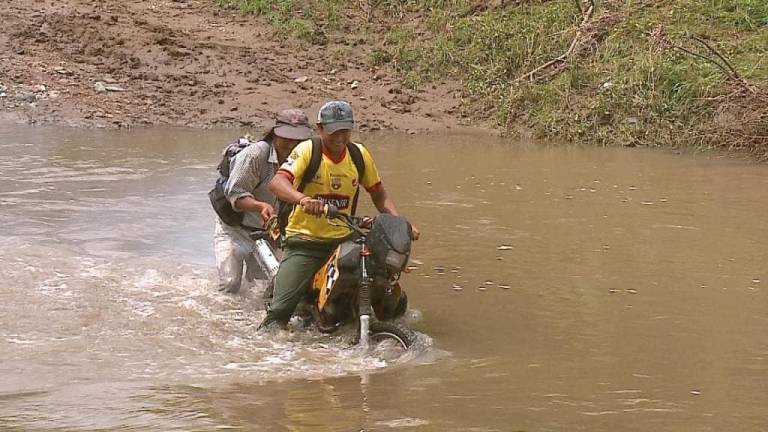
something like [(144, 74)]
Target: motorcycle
[(359, 282)]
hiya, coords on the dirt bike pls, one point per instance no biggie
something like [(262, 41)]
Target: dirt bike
[(360, 280)]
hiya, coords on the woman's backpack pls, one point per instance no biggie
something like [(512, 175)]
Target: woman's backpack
[(217, 195)]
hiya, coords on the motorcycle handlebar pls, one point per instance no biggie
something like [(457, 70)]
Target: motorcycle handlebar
[(332, 212)]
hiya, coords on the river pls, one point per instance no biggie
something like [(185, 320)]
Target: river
[(558, 288)]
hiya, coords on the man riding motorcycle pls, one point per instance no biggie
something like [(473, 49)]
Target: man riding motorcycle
[(310, 238)]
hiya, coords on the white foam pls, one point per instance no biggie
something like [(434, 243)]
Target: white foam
[(135, 307), (16, 340), (403, 422)]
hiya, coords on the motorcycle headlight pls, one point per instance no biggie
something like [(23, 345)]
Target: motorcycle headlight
[(395, 261)]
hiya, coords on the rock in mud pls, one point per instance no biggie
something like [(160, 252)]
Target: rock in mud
[(61, 71), (114, 88), (26, 98)]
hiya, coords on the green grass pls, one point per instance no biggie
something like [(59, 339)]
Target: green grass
[(623, 91), (304, 20), (622, 88)]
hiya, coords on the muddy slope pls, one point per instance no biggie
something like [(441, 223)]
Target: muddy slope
[(114, 63)]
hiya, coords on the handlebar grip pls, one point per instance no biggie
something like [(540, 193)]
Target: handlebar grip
[(331, 211)]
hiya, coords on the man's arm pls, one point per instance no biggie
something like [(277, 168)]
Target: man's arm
[(382, 202), (283, 188), (385, 205), (374, 186)]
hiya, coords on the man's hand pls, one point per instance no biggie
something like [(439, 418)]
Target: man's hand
[(415, 233), (366, 222), (312, 206)]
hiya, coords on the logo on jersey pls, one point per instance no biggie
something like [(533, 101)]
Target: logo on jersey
[(335, 182), (340, 201), (291, 160)]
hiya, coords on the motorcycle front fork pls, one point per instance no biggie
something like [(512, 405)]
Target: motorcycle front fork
[(364, 310)]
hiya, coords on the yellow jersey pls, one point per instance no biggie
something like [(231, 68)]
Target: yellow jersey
[(335, 183)]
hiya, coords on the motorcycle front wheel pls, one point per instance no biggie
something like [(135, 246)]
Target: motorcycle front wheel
[(382, 332)]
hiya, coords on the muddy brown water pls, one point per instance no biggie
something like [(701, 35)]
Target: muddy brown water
[(556, 289)]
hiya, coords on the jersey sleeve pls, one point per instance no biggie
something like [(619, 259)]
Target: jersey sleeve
[(371, 181), (297, 162)]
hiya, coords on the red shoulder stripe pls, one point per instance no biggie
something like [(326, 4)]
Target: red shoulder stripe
[(285, 173), (375, 188)]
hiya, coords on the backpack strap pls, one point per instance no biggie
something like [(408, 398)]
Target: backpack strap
[(357, 159), (314, 164), (230, 151), (265, 153), (286, 208)]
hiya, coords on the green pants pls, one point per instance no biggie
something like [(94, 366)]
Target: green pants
[(302, 258)]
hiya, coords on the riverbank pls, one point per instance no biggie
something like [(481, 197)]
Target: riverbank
[(119, 64), (679, 73)]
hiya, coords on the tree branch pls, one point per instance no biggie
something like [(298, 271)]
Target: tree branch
[(586, 16), (720, 56), (703, 57)]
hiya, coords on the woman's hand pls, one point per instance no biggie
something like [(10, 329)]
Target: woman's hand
[(266, 211)]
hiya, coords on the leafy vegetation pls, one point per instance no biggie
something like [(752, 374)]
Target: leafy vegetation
[(641, 72)]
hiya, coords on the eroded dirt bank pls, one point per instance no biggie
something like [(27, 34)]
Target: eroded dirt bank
[(113, 63)]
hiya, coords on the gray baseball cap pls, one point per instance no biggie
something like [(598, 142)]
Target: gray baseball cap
[(335, 116)]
